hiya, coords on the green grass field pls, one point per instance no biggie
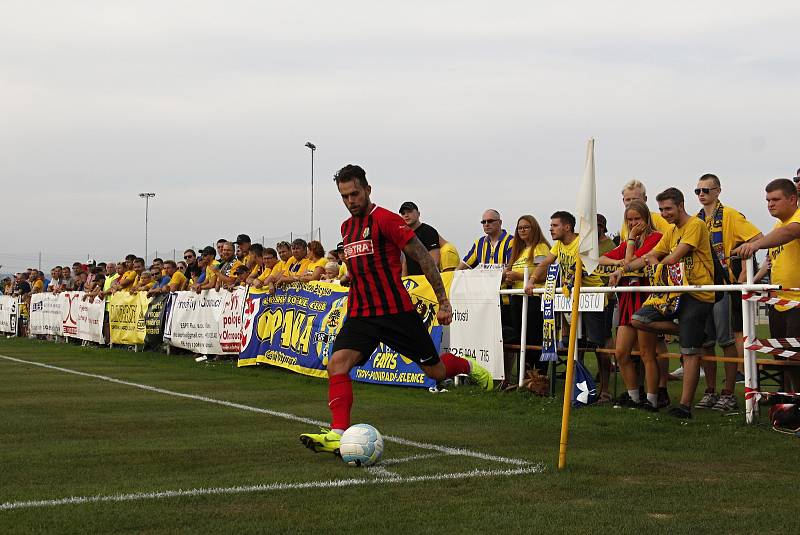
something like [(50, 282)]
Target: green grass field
[(64, 435)]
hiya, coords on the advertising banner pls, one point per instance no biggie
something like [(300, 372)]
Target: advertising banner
[(126, 317), (296, 327), (154, 320), (194, 321), (45, 314), (8, 314), (476, 330), (90, 319)]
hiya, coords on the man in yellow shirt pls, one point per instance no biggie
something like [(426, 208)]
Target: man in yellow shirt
[(685, 251), (565, 252), (783, 243), (244, 251), (36, 282), (449, 260), (269, 264), (227, 267), (208, 278), (728, 229), (297, 264), (177, 280)]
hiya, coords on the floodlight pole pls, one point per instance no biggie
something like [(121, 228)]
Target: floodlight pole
[(313, 148), (146, 196)]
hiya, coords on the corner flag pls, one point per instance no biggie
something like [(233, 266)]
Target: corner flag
[(588, 253), (589, 247)]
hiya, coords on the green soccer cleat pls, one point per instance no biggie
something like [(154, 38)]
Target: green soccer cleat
[(480, 375), (327, 441)]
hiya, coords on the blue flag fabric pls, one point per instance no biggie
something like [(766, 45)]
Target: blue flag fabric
[(584, 391), (549, 349)]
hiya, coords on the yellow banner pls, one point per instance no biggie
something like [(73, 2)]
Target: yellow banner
[(126, 317)]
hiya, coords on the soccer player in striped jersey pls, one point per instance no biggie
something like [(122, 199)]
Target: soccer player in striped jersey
[(379, 309)]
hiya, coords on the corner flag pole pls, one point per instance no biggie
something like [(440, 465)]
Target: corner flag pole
[(588, 255), (568, 380)]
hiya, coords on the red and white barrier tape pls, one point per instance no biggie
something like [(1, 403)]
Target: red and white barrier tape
[(761, 298), (752, 393), (775, 346)]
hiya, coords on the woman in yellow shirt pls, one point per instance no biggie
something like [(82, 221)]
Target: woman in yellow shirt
[(529, 249), (316, 262)]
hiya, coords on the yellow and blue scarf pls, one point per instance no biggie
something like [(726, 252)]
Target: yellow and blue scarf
[(715, 229)]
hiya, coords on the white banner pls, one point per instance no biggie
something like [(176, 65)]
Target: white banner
[(587, 303), (476, 330), (195, 321), (68, 303), (231, 326), (45, 314), (90, 320), (9, 306)]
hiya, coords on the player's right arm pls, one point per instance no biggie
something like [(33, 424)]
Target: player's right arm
[(416, 251)]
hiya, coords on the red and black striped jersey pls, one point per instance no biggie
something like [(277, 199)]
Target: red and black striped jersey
[(372, 247)]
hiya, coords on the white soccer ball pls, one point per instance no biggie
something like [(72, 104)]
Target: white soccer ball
[(361, 445)]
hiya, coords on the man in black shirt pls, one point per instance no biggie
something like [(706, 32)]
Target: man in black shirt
[(426, 234)]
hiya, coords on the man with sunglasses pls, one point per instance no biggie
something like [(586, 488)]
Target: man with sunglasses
[(193, 269), (728, 229), (493, 248)]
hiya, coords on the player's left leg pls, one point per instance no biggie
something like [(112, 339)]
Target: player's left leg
[(340, 402), (356, 340)]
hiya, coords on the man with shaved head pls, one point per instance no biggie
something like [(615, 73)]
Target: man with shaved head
[(494, 247)]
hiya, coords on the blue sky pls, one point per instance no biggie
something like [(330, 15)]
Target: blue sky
[(459, 106)]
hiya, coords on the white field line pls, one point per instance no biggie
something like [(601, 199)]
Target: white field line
[(336, 483), (285, 415), (410, 458), (380, 472)]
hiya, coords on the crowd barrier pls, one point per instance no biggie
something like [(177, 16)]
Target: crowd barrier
[(751, 295)]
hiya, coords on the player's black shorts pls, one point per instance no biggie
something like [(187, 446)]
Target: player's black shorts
[(403, 332)]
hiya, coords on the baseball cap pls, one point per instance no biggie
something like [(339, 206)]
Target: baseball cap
[(242, 238), (340, 246), (408, 205)]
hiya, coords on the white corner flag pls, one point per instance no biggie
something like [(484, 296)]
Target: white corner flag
[(589, 245)]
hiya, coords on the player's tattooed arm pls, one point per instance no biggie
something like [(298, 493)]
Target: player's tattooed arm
[(416, 251)]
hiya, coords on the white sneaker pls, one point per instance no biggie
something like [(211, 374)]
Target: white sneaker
[(677, 374), (708, 401)]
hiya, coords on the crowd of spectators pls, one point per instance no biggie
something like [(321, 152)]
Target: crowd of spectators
[(672, 246)]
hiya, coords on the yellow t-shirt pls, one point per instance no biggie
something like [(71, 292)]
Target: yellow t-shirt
[(38, 286), (448, 257), (566, 255), (785, 262), (698, 266), (211, 276), (343, 270), (294, 268), (179, 279), (659, 223), (540, 251), (280, 267), (312, 266), (146, 287), (131, 276), (265, 272), (736, 229)]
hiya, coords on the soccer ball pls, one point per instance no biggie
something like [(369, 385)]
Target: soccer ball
[(361, 445)]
